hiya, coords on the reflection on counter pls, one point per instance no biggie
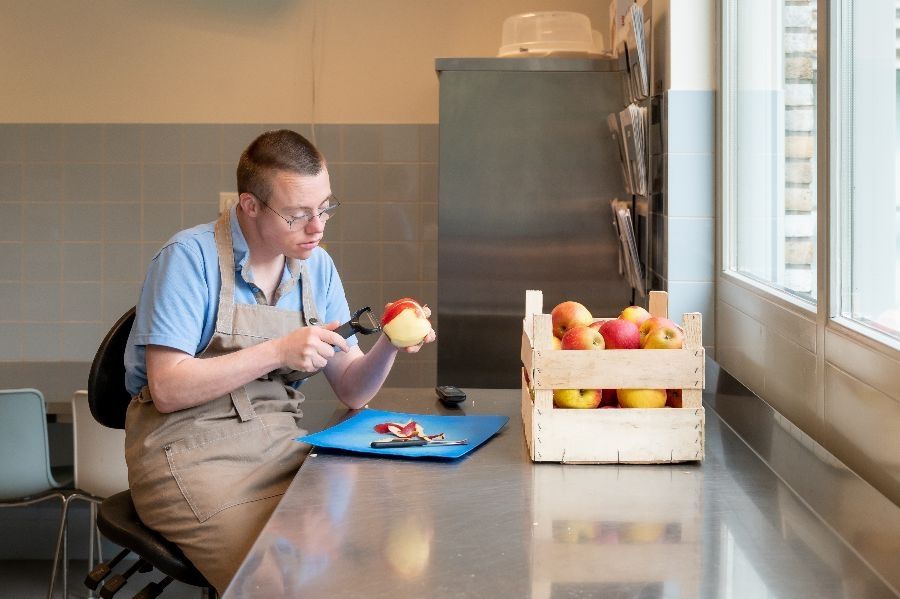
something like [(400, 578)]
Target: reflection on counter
[(611, 590), (616, 531), (294, 562), (408, 545)]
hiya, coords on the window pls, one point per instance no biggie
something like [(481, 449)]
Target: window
[(866, 121), (769, 82)]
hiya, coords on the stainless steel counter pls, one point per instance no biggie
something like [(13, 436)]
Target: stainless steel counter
[(494, 524)]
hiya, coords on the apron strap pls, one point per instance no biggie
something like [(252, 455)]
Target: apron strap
[(241, 400), (225, 315), (310, 317), (310, 313)]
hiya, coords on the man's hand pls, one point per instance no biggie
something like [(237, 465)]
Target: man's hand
[(308, 349)]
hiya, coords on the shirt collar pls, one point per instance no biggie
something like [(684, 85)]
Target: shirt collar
[(242, 251)]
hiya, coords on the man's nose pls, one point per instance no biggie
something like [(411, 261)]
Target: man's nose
[(315, 225)]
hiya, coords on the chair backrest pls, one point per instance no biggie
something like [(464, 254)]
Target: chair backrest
[(24, 453), (99, 452), (107, 396)]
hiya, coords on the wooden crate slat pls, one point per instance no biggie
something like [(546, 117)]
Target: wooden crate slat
[(527, 353), (658, 304), (650, 436), (618, 368)]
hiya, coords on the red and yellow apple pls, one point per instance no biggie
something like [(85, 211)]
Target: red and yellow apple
[(582, 337), (405, 323), (620, 334), (577, 398), (635, 314), (641, 398), (661, 333), (568, 315)]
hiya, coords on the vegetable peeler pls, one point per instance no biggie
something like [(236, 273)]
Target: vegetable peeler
[(354, 325)]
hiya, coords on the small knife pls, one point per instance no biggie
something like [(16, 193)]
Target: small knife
[(414, 443)]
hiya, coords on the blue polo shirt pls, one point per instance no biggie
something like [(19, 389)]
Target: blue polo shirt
[(180, 297)]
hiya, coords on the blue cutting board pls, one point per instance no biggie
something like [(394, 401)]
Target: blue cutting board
[(356, 433)]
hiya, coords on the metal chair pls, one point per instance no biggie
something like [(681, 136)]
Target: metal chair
[(25, 474), (100, 472), (116, 518)]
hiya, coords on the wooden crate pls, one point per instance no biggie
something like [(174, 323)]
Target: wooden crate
[(627, 435)]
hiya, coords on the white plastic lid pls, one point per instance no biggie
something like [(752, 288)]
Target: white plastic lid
[(550, 32)]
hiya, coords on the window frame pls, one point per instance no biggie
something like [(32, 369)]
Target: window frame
[(826, 347)]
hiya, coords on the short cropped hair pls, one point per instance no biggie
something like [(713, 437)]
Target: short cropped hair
[(274, 151)]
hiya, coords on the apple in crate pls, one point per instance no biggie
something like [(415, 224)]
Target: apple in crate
[(620, 334), (641, 398), (673, 398), (635, 314), (577, 398), (609, 399), (582, 337), (568, 315), (661, 333), (405, 322)]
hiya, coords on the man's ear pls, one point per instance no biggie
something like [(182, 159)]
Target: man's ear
[(249, 204)]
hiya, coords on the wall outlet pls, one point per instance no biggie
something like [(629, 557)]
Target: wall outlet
[(227, 199)]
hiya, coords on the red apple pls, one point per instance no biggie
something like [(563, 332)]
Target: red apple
[(620, 334), (582, 337), (577, 398), (641, 398), (661, 333), (673, 398), (568, 315), (609, 399), (635, 314), (404, 322)]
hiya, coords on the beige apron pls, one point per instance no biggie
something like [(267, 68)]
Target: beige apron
[(208, 477)]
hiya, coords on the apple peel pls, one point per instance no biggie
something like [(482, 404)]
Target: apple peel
[(410, 430)]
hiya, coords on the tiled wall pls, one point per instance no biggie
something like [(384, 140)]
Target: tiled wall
[(83, 209), (689, 206)]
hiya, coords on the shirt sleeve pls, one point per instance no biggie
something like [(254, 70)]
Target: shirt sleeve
[(174, 300)]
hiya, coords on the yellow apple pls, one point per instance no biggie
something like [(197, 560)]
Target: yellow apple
[(577, 398), (665, 334), (641, 398), (635, 314), (568, 315)]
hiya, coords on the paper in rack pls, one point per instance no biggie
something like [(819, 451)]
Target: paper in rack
[(633, 134), (629, 250), (615, 129), (638, 58)]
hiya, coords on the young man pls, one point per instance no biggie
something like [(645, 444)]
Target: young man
[(231, 315)]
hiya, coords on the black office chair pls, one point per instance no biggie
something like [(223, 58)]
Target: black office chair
[(116, 518)]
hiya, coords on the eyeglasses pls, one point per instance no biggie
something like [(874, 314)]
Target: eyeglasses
[(323, 215)]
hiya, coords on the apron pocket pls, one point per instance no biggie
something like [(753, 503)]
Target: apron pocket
[(236, 463)]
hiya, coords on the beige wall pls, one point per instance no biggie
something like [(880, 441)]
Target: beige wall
[(233, 61)]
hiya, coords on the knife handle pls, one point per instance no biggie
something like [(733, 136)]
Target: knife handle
[(398, 443)]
